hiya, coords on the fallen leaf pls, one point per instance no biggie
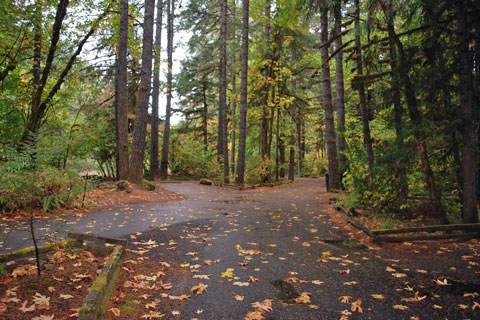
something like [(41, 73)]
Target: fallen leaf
[(115, 311), (442, 283), (399, 275), (24, 308), (400, 307), (303, 298), (343, 271), (42, 302), (66, 296), (239, 298), (200, 288), (378, 296), (153, 315), (356, 306), (436, 306), (345, 299), (241, 284), (3, 308)]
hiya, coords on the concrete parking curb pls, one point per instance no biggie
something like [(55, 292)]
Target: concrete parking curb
[(96, 303)]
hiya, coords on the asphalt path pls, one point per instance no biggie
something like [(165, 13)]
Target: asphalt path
[(275, 244), (272, 248)]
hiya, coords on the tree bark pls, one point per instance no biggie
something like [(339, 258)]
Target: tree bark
[(264, 139), (205, 117), (466, 88), (135, 174), (240, 178), (367, 140), (154, 165), (339, 88), (222, 103), (166, 131), (121, 123), (234, 85), (327, 102)]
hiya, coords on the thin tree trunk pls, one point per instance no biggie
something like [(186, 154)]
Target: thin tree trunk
[(205, 117), (135, 172), (339, 88), (468, 147), (367, 140), (327, 103), (282, 151), (291, 167), (223, 140), (277, 146), (121, 103), (166, 131), (154, 165), (234, 84), (240, 178), (266, 90)]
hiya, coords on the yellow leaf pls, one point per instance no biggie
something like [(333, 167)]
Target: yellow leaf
[(66, 296), (436, 306), (400, 307), (239, 298), (51, 289), (378, 296)]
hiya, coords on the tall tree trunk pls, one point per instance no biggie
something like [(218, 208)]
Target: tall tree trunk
[(327, 102), (291, 166), (154, 165), (339, 88), (282, 150), (367, 140), (205, 116), (416, 118), (222, 103), (466, 88), (277, 146), (266, 90), (234, 84), (135, 173), (398, 115), (121, 123), (240, 178), (166, 131)]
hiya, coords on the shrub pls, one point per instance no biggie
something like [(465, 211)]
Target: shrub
[(45, 189)]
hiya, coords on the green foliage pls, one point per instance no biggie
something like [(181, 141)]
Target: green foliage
[(189, 159), (24, 186)]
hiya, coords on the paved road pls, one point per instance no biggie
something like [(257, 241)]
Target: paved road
[(276, 235)]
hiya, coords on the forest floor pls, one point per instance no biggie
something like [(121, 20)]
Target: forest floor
[(205, 252)]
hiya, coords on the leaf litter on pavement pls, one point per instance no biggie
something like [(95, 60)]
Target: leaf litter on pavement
[(410, 290)]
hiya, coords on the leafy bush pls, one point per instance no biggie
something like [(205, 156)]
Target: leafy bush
[(45, 189), (23, 186), (189, 159)]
